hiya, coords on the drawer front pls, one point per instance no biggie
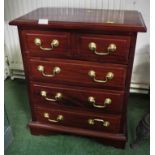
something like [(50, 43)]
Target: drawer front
[(46, 43), (78, 73), (104, 48), (85, 98), (107, 123)]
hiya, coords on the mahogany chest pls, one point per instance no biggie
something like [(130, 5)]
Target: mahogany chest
[(78, 65)]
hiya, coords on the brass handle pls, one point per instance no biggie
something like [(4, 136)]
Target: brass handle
[(91, 100), (54, 43), (104, 123), (57, 96), (58, 119), (110, 49), (109, 76), (55, 71)]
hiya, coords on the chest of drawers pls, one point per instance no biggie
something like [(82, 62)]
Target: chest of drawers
[(78, 66)]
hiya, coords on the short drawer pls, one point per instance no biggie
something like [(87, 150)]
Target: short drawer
[(85, 120), (104, 48), (46, 43), (78, 73), (75, 97)]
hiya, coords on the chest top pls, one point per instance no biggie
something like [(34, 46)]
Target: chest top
[(86, 19)]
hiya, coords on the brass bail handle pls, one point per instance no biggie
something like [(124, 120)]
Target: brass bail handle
[(54, 44), (107, 102), (57, 96), (110, 49), (109, 76), (56, 70), (104, 123), (59, 118)]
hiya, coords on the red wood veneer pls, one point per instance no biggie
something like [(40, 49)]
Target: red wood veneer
[(75, 29)]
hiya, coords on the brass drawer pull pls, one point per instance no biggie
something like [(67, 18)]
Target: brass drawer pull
[(57, 96), (58, 119), (55, 71), (110, 49), (109, 76), (104, 123), (54, 43), (91, 100)]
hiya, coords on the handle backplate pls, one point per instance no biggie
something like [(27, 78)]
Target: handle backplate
[(92, 101), (54, 44), (109, 76), (104, 123), (57, 96), (110, 49), (58, 118), (55, 71)]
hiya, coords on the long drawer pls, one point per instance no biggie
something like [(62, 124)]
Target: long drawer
[(75, 97), (105, 123), (78, 73)]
